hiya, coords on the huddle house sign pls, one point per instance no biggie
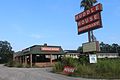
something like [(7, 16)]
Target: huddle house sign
[(89, 19), (86, 13)]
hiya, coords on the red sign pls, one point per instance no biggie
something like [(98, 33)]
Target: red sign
[(89, 19), (91, 11), (50, 49), (91, 26), (68, 69)]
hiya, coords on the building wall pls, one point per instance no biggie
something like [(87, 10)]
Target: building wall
[(72, 55), (107, 55)]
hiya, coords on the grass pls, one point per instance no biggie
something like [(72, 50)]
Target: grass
[(16, 64), (104, 69), (13, 64)]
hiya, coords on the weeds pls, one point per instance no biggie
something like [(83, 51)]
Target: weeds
[(104, 69)]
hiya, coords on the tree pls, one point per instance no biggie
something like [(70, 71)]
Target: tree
[(115, 48), (102, 45), (80, 49), (6, 53), (87, 4), (107, 48)]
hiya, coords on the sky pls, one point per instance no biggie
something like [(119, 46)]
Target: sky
[(25, 23)]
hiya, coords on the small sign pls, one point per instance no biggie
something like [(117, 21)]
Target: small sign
[(50, 49), (92, 58), (69, 70), (91, 47)]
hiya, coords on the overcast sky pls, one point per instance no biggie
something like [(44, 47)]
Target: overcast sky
[(24, 23)]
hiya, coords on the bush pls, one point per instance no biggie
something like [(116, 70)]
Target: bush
[(5, 58), (14, 64), (108, 68), (84, 59), (83, 70), (18, 65), (58, 67), (104, 69), (10, 64), (68, 61), (65, 61)]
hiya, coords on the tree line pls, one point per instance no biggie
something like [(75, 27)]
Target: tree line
[(107, 48), (6, 52)]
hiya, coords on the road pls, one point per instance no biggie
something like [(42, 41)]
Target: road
[(7, 73)]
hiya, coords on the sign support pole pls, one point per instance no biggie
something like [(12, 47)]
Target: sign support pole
[(89, 36)]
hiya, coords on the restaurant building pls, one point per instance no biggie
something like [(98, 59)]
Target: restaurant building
[(72, 53), (39, 55)]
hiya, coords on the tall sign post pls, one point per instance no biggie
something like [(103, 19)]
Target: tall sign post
[(87, 21)]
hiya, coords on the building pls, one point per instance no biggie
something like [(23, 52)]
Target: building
[(107, 55), (72, 53), (39, 55)]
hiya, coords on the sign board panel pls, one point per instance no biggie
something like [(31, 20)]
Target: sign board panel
[(93, 10), (93, 58), (69, 70), (91, 47), (90, 19), (91, 26), (50, 49)]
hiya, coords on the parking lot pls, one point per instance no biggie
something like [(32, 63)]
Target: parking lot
[(31, 74)]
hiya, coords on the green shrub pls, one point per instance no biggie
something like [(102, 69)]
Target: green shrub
[(10, 64), (108, 68), (18, 65), (83, 59), (68, 61), (14, 64), (104, 69), (58, 67)]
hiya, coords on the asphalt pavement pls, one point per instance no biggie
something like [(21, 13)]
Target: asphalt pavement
[(7, 73)]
